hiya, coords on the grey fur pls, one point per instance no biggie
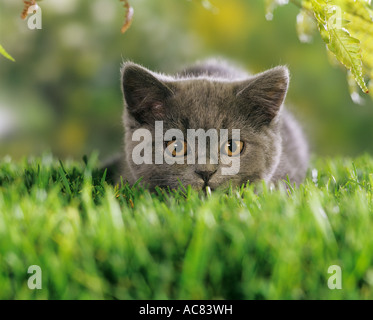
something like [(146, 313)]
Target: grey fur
[(214, 94)]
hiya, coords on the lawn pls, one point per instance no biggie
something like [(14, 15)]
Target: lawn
[(96, 241)]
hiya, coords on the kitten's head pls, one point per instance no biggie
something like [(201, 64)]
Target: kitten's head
[(251, 105)]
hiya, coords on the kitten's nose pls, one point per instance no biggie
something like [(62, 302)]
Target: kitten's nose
[(205, 175)]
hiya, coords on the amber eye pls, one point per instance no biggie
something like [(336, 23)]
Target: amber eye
[(177, 148), (232, 148)]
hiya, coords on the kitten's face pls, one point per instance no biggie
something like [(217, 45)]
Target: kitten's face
[(252, 106)]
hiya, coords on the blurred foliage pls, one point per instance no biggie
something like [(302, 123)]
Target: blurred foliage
[(27, 6), (63, 93), (345, 26)]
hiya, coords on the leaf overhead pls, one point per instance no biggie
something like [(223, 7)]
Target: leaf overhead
[(346, 26), (338, 39)]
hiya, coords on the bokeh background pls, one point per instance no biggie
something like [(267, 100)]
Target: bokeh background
[(63, 95)]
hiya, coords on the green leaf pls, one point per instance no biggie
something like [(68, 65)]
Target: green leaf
[(362, 29), (338, 40), (358, 8), (6, 54), (347, 50)]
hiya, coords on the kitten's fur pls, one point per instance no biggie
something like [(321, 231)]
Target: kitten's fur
[(214, 94)]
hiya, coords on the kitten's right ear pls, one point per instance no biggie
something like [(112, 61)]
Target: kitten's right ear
[(143, 93), (262, 95)]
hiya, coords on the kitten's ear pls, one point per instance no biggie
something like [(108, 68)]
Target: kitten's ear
[(144, 94), (261, 97)]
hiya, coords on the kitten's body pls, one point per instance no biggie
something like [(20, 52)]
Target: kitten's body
[(214, 95)]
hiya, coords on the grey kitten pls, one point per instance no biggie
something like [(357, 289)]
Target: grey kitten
[(213, 95)]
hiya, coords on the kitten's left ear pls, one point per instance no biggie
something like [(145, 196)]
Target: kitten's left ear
[(262, 96)]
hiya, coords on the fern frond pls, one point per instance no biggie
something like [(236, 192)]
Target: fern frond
[(362, 29), (338, 38), (348, 52), (350, 39)]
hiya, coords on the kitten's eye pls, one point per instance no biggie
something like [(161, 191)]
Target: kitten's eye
[(177, 148), (232, 148)]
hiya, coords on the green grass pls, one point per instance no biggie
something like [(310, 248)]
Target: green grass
[(96, 241)]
